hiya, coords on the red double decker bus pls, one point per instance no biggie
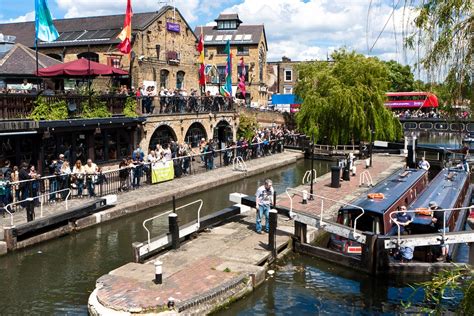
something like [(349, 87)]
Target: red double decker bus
[(411, 100)]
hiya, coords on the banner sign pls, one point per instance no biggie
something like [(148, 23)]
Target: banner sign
[(162, 171), (172, 27)]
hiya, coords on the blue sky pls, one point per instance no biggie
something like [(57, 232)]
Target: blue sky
[(301, 30)]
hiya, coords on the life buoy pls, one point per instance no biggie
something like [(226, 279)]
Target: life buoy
[(424, 211), (376, 196)]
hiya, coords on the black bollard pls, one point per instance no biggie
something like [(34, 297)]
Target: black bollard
[(30, 209), (158, 272), (272, 233), (174, 230)]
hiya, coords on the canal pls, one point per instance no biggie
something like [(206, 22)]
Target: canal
[(56, 277)]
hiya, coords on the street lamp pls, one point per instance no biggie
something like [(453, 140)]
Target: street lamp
[(372, 132)]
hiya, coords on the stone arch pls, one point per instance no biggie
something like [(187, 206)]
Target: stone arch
[(89, 55), (163, 134), (194, 134), (223, 133)]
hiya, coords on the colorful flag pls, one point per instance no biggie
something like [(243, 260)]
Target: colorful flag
[(126, 35), (226, 90), (200, 49), (243, 73), (45, 29)]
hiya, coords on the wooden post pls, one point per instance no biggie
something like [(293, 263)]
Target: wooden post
[(272, 233), (174, 230), (367, 259), (300, 232), (10, 237), (136, 252)]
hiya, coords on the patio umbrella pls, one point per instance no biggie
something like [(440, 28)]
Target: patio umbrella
[(80, 68)]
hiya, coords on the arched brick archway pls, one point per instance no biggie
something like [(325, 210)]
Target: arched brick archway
[(194, 134), (163, 134), (223, 133)]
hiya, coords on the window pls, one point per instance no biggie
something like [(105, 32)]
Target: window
[(247, 37), (89, 55), (288, 75), (164, 78), (287, 90), (221, 72), (208, 38), (219, 37), (113, 62), (238, 37), (180, 79), (227, 37), (242, 50), (221, 50), (239, 73)]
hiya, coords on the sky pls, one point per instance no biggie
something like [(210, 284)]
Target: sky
[(298, 29)]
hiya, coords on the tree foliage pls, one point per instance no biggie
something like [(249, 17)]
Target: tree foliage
[(345, 100), (49, 111), (95, 108), (248, 125), (130, 109), (445, 29), (401, 77)]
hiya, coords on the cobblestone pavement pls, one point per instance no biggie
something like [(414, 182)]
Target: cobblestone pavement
[(382, 166)]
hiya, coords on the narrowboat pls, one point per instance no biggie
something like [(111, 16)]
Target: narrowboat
[(400, 188)]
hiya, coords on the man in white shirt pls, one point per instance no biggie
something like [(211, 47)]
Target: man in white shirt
[(91, 176), (424, 164), (264, 200)]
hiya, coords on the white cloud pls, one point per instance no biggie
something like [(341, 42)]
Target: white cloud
[(80, 8), (305, 30), (30, 16)]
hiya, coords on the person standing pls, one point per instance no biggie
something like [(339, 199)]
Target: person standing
[(137, 157), (439, 223), (264, 199), (79, 173), (424, 164), (91, 175)]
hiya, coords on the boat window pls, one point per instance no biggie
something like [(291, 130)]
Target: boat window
[(376, 225), (346, 219)]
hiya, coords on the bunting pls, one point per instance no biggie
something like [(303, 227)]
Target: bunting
[(200, 49), (126, 35), (44, 26), (226, 90), (243, 73)]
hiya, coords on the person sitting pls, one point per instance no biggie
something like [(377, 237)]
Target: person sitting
[(403, 219)]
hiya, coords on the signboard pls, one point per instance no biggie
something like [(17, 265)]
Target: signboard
[(172, 27), (162, 171)]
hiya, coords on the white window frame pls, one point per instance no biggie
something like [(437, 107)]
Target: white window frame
[(287, 89), (291, 75)]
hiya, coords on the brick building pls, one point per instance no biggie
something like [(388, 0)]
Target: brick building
[(163, 48), (247, 41), (282, 76)]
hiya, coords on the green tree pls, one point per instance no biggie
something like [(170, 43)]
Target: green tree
[(345, 100), (130, 109), (445, 30), (401, 77), (248, 125), (49, 111)]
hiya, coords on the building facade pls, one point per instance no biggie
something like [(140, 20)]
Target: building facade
[(282, 76), (246, 41)]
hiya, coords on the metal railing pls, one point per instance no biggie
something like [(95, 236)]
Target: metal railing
[(196, 227), (40, 198), (238, 164), (342, 203), (394, 220), (308, 175), (365, 176)]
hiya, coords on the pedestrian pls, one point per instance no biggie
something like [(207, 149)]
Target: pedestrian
[(264, 199), (439, 223), (79, 174), (424, 164), (137, 156), (91, 176)]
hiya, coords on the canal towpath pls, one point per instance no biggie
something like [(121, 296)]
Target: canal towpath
[(221, 264), (148, 196)]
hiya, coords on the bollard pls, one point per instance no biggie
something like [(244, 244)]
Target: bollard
[(367, 163), (272, 233), (30, 209), (305, 197), (174, 230), (158, 272), (274, 199)]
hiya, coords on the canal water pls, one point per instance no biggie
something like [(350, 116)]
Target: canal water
[(56, 277)]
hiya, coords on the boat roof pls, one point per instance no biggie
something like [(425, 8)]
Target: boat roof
[(443, 189), (393, 187)]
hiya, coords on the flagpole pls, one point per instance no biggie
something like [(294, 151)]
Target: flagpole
[(37, 64), (89, 73), (203, 88)]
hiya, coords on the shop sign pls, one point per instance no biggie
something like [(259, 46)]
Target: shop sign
[(173, 27)]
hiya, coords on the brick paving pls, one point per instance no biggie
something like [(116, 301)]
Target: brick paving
[(382, 166)]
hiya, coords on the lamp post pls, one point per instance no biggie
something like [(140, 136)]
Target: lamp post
[(372, 132), (312, 168)]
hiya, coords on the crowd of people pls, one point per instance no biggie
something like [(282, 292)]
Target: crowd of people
[(416, 114)]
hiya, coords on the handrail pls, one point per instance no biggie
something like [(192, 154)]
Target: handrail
[(171, 211), (366, 176), (241, 165), (307, 176), (322, 198), (444, 218), (36, 197)]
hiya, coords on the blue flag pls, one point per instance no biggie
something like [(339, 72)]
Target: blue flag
[(45, 29), (226, 90)]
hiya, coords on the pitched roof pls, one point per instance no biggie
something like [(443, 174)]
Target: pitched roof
[(84, 31), (21, 60), (228, 17), (243, 35)]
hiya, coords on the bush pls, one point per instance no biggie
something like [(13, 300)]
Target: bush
[(49, 112), (130, 107), (97, 109)]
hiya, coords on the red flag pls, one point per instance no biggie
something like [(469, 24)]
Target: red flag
[(200, 49), (126, 35)]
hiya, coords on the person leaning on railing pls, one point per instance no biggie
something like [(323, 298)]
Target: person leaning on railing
[(78, 177), (64, 179), (4, 184), (91, 171)]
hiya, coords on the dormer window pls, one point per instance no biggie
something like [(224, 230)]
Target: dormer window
[(227, 25)]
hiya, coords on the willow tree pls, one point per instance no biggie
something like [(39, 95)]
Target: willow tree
[(445, 31), (344, 100)]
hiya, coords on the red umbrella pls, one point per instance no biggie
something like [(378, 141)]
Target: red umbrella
[(80, 68)]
